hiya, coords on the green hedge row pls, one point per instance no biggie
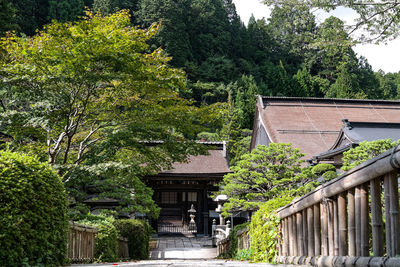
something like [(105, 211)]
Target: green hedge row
[(137, 232), (33, 213)]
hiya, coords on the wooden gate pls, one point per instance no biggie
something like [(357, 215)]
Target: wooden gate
[(174, 225)]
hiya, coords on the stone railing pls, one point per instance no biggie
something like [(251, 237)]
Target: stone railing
[(352, 220)]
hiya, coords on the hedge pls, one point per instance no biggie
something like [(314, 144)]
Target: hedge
[(33, 213), (106, 241), (138, 233)]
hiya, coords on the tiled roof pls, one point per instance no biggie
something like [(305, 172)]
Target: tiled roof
[(313, 124), (214, 163), (353, 133)]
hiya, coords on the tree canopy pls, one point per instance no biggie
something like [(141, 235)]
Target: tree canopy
[(87, 94), (263, 174), (380, 19)]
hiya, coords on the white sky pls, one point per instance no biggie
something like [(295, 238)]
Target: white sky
[(384, 57)]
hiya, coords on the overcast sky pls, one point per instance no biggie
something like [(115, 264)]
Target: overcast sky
[(384, 57)]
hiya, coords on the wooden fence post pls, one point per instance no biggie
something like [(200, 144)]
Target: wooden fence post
[(310, 231), (336, 228), (317, 230), (299, 224), (376, 218), (357, 213), (291, 239), (324, 229), (294, 225), (388, 223), (305, 232), (394, 212), (351, 226), (364, 230), (342, 225), (331, 229)]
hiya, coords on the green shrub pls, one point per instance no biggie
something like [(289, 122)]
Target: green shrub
[(106, 242), (33, 208), (365, 151), (264, 232), (233, 250), (322, 168), (329, 175), (138, 233), (243, 255)]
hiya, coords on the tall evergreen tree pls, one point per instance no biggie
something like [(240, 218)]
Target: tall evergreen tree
[(7, 17), (65, 10)]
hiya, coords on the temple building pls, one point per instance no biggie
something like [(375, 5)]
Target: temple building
[(186, 190), (314, 125), (352, 134)]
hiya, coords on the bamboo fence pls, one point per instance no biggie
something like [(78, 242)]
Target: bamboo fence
[(352, 220)]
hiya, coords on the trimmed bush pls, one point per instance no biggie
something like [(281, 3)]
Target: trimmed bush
[(106, 241), (138, 233), (33, 213), (329, 175), (321, 168)]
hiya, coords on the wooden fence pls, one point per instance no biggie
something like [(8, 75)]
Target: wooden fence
[(123, 249), (243, 238), (81, 242), (352, 220)]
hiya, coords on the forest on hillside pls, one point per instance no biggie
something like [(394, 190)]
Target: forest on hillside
[(288, 54)]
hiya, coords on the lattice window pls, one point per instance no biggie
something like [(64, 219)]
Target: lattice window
[(169, 197)]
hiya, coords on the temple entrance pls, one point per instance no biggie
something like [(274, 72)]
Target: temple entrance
[(174, 216)]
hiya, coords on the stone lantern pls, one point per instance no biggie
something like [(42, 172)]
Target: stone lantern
[(192, 215), (220, 199)]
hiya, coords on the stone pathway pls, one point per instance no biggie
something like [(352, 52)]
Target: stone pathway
[(183, 248), (182, 252), (184, 263)]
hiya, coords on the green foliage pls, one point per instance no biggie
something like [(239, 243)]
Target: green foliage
[(233, 250), (329, 175), (262, 175), (88, 93), (365, 151), (138, 234), (379, 19), (264, 232), (33, 213), (243, 255), (106, 241), (65, 10), (7, 17), (321, 168)]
